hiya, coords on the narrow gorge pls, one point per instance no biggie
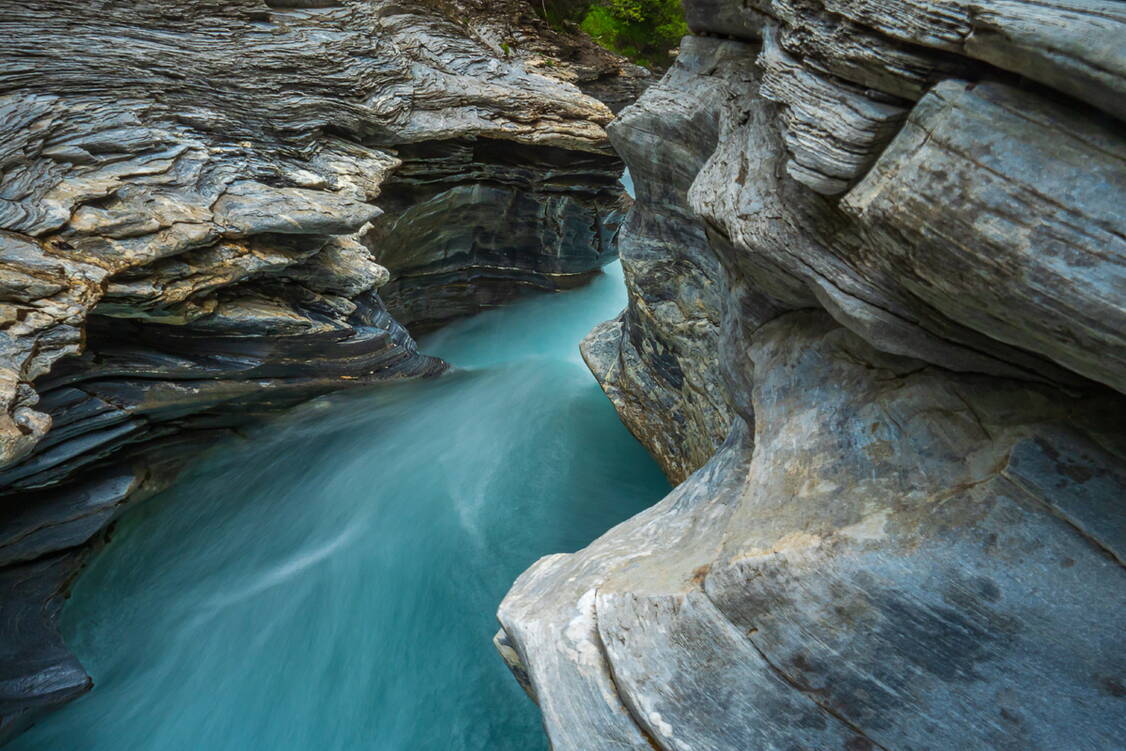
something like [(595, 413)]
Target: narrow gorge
[(324, 582), (200, 205), (873, 270)]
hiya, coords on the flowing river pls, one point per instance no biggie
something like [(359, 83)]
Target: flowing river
[(330, 583)]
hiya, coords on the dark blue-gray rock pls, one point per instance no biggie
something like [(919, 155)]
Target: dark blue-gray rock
[(37, 671), (461, 217)]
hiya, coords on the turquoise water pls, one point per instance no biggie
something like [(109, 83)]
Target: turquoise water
[(330, 584)]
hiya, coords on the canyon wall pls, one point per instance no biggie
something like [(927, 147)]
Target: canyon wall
[(199, 202), (876, 328)]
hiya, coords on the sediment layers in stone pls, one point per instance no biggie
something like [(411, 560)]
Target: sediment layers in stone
[(195, 200), (911, 536), (461, 217)]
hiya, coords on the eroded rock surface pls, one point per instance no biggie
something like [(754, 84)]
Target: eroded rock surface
[(199, 202), (445, 261), (877, 298)]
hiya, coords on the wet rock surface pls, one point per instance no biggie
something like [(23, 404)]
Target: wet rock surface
[(875, 270), (37, 671), (199, 203)]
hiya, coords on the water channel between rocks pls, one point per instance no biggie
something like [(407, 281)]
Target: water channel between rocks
[(330, 583)]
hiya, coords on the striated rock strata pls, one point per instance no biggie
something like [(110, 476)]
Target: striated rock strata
[(198, 204), (461, 216), (877, 276)]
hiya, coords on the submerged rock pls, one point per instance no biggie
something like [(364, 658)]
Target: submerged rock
[(198, 205), (876, 305)]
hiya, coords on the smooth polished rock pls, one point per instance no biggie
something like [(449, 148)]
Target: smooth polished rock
[(1073, 46), (1006, 209), (891, 565), (36, 669), (912, 536)]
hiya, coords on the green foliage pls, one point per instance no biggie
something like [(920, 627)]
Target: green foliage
[(642, 30)]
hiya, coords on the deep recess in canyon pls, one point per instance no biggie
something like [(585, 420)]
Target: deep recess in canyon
[(876, 329)]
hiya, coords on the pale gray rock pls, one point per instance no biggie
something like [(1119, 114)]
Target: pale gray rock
[(912, 536), (1074, 46), (656, 362), (1003, 210), (898, 563), (833, 130), (807, 251), (835, 45)]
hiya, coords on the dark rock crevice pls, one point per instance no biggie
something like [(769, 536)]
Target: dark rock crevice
[(460, 217)]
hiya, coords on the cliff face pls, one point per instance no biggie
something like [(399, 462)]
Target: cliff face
[(198, 204), (877, 277)]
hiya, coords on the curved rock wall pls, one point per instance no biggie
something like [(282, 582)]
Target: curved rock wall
[(877, 302), (198, 204)]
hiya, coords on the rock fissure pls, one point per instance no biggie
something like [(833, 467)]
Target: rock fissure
[(623, 697)]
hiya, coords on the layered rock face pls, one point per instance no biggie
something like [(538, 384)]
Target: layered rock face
[(198, 204), (877, 277), (461, 216)]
